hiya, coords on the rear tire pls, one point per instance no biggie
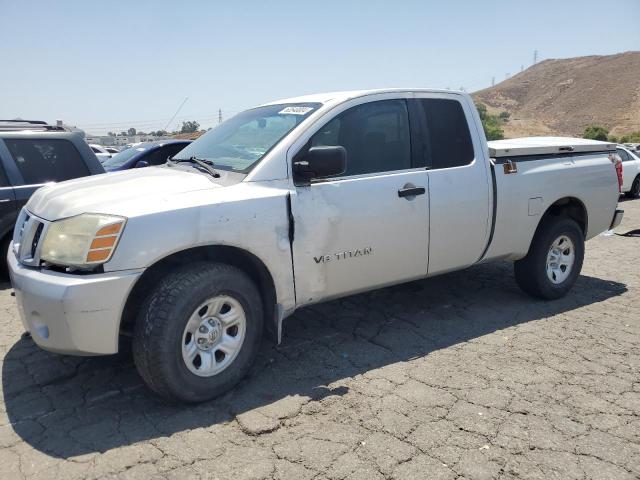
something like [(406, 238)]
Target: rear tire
[(554, 260), (635, 189), (198, 333)]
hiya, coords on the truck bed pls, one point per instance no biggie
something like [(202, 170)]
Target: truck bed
[(527, 146)]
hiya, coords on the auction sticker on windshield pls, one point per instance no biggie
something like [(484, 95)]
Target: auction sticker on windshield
[(295, 111)]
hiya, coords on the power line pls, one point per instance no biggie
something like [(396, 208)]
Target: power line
[(177, 111)]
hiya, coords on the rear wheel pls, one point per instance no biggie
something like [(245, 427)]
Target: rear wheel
[(635, 189), (198, 333), (554, 260)]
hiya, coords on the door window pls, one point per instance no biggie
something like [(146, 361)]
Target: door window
[(50, 160), (375, 136), (172, 149), (624, 156), (160, 155), (446, 142)]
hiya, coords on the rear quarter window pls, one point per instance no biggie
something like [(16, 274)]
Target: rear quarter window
[(46, 160), (447, 140)]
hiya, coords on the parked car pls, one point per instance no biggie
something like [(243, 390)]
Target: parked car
[(112, 150), (101, 152), (145, 154), (634, 147), (32, 154), (630, 172), (293, 203)]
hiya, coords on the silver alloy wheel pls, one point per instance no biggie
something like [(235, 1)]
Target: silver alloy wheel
[(560, 259), (213, 336)]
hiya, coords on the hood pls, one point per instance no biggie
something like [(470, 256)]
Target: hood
[(116, 193)]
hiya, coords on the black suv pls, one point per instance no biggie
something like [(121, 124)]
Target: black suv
[(32, 154)]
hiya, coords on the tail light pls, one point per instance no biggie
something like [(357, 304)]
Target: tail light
[(617, 162)]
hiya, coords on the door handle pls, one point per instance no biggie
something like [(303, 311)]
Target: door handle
[(411, 191)]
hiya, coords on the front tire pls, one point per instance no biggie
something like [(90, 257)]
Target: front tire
[(198, 333), (5, 244), (554, 261)]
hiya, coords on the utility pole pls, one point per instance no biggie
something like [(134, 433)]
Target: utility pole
[(493, 81), (219, 115), (535, 57)]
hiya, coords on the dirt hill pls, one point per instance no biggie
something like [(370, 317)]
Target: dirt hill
[(561, 97)]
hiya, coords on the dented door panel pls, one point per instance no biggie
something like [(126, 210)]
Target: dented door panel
[(354, 234)]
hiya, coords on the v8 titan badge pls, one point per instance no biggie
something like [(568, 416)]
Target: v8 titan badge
[(343, 255)]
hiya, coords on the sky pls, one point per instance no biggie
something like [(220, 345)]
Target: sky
[(109, 65)]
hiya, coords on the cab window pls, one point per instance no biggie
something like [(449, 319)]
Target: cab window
[(446, 140)]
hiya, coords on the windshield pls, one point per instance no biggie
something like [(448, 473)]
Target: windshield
[(241, 142), (119, 159)]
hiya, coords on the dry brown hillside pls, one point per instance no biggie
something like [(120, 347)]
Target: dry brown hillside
[(561, 97)]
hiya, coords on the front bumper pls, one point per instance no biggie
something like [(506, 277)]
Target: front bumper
[(71, 314)]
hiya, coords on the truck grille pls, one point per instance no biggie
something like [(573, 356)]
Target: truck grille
[(27, 236)]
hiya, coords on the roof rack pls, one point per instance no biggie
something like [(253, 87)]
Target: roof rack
[(17, 125)]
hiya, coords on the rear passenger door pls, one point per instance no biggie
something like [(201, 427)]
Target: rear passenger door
[(459, 181)]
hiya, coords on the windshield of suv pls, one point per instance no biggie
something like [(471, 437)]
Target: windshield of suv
[(119, 159), (241, 142)]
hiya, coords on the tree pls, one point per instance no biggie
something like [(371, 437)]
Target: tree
[(189, 127), (131, 131), (596, 132), (111, 134), (482, 110), (492, 124)]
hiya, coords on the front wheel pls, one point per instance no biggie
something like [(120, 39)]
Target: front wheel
[(554, 260), (198, 333)]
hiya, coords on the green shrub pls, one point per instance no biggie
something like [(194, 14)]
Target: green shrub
[(492, 124), (596, 132)]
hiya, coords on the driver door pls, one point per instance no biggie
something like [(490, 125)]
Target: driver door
[(370, 226)]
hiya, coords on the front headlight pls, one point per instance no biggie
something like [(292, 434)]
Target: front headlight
[(82, 241)]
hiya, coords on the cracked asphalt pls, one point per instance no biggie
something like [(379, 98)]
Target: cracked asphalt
[(455, 377)]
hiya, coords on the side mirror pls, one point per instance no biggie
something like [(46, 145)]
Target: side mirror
[(141, 164), (319, 162)]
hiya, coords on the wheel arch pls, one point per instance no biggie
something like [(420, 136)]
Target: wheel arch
[(235, 256), (571, 207)]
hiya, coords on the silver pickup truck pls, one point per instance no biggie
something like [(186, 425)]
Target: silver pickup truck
[(292, 203)]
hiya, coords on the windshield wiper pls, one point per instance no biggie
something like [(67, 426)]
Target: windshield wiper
[(202, 162)]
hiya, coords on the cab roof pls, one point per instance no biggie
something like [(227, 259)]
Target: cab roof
[(342, 96)]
